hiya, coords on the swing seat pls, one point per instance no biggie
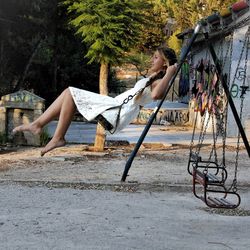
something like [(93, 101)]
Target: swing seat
[(105, 124), (205, 177), (198, 162), (222, 202), (211, 184)]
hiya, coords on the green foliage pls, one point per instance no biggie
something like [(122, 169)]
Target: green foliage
[(106, 29), (174, 42), (153, 34), (57, 62), (140, 60), (44, 137), (109, 28), (187, 12), (3, 138)]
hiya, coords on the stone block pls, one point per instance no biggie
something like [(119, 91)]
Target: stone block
[(21, 107)]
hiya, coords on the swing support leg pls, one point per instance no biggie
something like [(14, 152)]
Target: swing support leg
[(230, 100), (159, 104)]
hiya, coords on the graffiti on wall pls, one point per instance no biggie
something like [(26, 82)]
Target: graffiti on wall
[(239, 86), (22, 96), (177, 117)]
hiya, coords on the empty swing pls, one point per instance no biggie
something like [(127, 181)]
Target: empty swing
[(210, 175)]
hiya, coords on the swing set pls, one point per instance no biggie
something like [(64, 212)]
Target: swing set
[(213, 97), (211, 174)]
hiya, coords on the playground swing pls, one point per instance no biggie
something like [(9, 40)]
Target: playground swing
[(210, 105), (217, 185), (215, 193), (211, 176), (213, 189)]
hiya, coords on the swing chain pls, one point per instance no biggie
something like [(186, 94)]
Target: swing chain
[(159, 75), (202, 134), (242, 97), (220, 116), (215, 136), (229, 49), (245, 44), (225, 112), (130, 97), (224, 133), (125, 101), (148, 83)]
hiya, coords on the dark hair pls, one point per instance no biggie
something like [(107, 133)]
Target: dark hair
[(169, 54)]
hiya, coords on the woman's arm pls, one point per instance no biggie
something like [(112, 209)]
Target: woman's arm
[(159, 87)]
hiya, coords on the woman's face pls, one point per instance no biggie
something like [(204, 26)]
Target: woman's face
[(158, 62)]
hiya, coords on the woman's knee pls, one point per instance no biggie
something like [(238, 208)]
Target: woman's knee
[(68, 96), (66, 92)]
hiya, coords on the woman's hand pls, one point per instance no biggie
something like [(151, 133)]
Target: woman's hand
[(159, 87), (172, 69)]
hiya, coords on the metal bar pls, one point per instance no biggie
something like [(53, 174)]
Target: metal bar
[(159, 104), (230, 100)]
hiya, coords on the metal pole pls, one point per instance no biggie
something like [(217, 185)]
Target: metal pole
[(159, 104)]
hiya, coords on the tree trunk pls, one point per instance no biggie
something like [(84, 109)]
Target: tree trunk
[(103, 85)]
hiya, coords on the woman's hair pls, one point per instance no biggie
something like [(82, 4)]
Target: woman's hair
[(168, 54)]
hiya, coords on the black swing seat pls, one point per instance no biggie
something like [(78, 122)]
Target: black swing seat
[(222, 202), (205, 177), (197, 161), (214, 193)]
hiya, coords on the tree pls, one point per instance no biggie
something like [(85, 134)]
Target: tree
[(38, 51), (153, 33), (25, 31), (109, 28), (187, 13)]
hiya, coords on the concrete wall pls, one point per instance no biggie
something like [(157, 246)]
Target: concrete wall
[(18, 108), (232, 66), (240, 75)]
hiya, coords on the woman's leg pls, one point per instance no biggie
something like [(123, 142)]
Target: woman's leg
[(67, 111), (50, 114)]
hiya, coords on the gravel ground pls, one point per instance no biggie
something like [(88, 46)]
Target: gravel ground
[(66, 218), (73, 199)]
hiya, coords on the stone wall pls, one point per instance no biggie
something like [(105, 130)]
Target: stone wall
[(18, 108)]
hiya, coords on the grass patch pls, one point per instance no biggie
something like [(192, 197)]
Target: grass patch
[(3, 138), (44, 137)]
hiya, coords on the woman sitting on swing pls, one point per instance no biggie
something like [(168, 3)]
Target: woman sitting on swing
[(105, 108)]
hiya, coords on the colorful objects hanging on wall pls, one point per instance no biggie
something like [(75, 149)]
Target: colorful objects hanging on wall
[(241, 5)]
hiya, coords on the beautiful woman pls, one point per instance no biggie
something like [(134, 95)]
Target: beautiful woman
[(107, 110)]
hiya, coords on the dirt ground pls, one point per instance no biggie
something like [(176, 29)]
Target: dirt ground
[(154, 163), (73, 199)]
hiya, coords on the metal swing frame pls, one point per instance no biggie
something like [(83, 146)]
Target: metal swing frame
[(208, 186), (159, 104)]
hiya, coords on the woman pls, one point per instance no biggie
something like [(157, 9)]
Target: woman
[(107, 110)]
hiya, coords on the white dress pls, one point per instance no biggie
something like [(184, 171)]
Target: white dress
[(92, 105)]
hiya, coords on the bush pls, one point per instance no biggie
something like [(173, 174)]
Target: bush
[(44, 137), (3, 138)]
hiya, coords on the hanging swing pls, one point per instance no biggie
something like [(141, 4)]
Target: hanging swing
[(209, 177), (205, 100)]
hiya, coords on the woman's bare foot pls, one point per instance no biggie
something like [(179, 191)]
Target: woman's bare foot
[(32, 127), (52, 145)]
